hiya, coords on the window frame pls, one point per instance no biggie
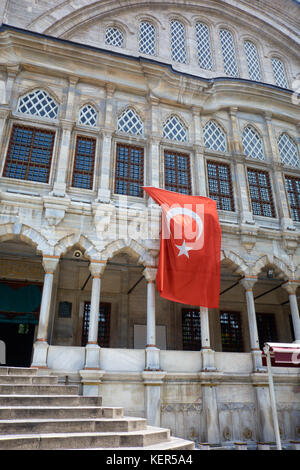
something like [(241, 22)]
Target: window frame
[(209, 46), (196, 345), (145, 20), (179, 20), (237, 75), (85, 325), (189, 168), (240, 343), (232, 199), (93, 171), (132, 145), (269, 186), (297, 207), (263, 337)]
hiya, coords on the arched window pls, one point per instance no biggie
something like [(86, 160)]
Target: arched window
[(38, 103), (174, 129), (252, 61), (252, 143), (114, 37), (147, 38), (228, 51), (88, 116), (214, 137), (203, 46), (130, 122), (178, 47), (288, 150), (279, 73)]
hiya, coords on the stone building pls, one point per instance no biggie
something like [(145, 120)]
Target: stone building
[(200, 97)]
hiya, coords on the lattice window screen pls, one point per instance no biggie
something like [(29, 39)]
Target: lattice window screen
[(214, 137), (178, 47), (147, 38), (88, 116), (130, 122), (288, 151), (203, 46), (174, 129), (253, 144), (252, 61), (114, 37), (228, 51), (38, 103), (279, 73)]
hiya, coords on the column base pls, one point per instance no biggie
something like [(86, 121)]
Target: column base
[(208, 360), (103, 195), (91, 380), (59, 189), (92, 356), (257, 361), (40, 354), (153, 381), (152, 361)]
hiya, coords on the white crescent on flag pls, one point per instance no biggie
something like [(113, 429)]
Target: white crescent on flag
[(186, 247)]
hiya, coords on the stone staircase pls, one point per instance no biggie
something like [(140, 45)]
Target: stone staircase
[(38, 413)]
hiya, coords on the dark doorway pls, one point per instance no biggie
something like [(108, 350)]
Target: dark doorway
[(18, 339)]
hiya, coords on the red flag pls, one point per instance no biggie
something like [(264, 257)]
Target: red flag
[(190, 247)]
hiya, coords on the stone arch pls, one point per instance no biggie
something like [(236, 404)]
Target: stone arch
[(18, 231), (67, 242), (132, 247), (234, 262), (280, 267)]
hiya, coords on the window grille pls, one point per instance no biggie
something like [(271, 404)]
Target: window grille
[(231, 332), (177, 172), (191, 329), (293, 190), (147, 38), (203, 46), (288, 151), (261, 193), (266, 327), (114, 37), (252, 143), (29, 154), (130, 122), (88, 116), (279, 73), (174, 129), (83, 172), (252, 61), (38, 103), (220, 185), (129, 170), (228, 51), (103, 324), (178, 47), (214, 137)]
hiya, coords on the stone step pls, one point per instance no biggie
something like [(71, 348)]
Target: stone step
[(28, 379), (105, 440), (50, 400), (74, 425), (55, 389), (60, 412), (175, 443), (18, 371)]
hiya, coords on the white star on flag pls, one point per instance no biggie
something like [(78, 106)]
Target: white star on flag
[(183, 249)]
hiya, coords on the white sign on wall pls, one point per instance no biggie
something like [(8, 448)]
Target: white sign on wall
[(140, 336)]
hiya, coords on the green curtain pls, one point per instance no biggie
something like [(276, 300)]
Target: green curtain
[(25, 299)]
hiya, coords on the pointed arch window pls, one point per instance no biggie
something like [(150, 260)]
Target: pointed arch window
[(178, 46), (88, 116), (38, 103), (279, 73), (174, 129), (252, 143), (130, 122), (288, 151), (147, 39), (214, 137), (252, 61), (203, 46), (114, 37), (229, 55)]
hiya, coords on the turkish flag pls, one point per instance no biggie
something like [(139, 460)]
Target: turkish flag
[(190, 248)]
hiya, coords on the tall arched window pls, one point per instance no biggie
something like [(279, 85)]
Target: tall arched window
[(130, 122), (114, 37), (178, 47), (147, 38), (252, 143), (228, 51), (214, 137), (252, 61), (174, 129), (279, 73), (38, 103), (88, 116), (288, 150), (203, 46)]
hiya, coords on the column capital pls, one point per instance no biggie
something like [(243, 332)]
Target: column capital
[(50, 263), (196, 110), (73, 80), (66, 124), (291, 286), (12, 70), (4, 111), (150, 273), (233, 110), (97, 267), (268, 116), (248, 282), (110, 90)]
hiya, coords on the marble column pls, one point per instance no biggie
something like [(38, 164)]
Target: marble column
[(199, 162), (50, 264), (154, 143), (12, 72), (264, 411), (59, 188), (236, 144), (248, 284), (206, 351), (291, 288), (152, 351), (210, 410), (4, 115)]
